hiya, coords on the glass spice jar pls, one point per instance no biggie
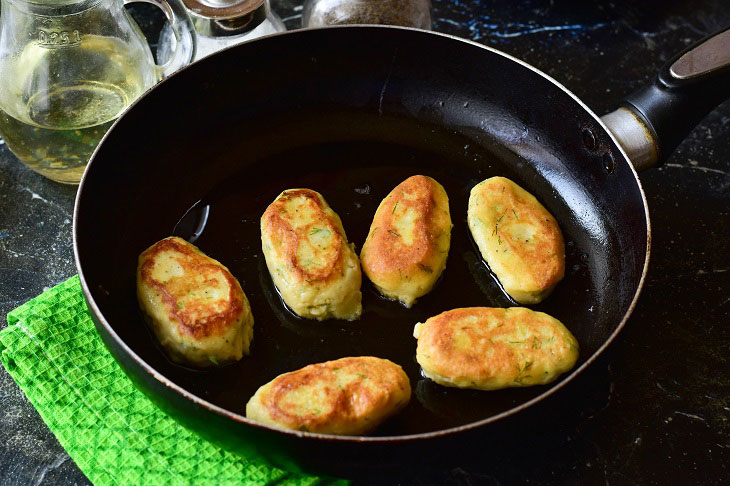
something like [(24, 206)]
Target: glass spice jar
[(223, 23), (407, 13)]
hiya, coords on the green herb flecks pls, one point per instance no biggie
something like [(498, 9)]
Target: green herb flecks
[(394, 207), (521, 370), (515, 213), (315, 231), (496, 228), (500, 218), (394, 233), (213, 360), (425, 268)]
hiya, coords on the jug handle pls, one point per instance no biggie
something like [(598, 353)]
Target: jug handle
[(184, 32)]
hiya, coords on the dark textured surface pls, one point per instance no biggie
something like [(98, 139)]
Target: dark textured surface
[(654, 409)]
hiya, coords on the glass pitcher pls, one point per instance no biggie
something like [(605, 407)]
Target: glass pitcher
[(67, 70)]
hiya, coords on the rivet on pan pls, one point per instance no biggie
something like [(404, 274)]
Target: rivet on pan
[(589, 140), (609, 163)]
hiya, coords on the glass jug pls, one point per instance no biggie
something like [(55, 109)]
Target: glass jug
[(68, 68)]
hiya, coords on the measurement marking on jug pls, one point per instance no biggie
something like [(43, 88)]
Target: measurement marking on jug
[(58, 40)]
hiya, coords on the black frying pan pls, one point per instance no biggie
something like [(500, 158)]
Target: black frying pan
[(351, 112)]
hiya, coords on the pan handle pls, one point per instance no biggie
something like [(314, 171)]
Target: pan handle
[(652, 122)]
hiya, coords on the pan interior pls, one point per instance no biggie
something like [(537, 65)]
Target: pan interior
[(187, 160)]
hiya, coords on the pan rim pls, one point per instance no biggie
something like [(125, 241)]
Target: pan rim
[(198, 401)]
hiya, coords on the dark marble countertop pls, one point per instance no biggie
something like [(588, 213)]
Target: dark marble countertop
[(654, 408)]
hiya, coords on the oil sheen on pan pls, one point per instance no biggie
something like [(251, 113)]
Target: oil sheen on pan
[(228, 226)]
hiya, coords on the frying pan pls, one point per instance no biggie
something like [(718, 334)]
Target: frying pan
[(351, 112)]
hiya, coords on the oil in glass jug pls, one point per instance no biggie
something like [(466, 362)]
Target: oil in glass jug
[(69, 68)]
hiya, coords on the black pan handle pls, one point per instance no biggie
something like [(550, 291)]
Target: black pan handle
[(687, 88)]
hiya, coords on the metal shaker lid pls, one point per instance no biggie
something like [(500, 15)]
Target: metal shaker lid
[(221, 18)]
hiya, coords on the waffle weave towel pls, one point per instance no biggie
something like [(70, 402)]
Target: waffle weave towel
[(112, 431)]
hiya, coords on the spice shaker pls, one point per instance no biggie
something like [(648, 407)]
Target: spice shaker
[(223, 23), (407, 13)]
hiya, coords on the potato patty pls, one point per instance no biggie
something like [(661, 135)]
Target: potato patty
[(196, 308), (316, 271), (348, 396), (519, 239), (487, 348), (406, 248)]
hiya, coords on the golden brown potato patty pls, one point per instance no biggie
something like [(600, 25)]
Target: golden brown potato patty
[(518, 238), (488, 348), (348, 396), (408, 242), (310, 261), (197, 309)]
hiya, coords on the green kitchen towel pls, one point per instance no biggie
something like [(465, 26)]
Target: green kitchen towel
[(112, 430)]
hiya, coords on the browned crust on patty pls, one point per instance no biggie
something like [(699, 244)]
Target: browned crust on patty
[(387, 253), (479, 343), (468, 359), (542, 256), (349, 403), (195, 317), (277, 221), (546, 257)]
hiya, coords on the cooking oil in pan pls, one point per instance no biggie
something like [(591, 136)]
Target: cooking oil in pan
[(226, 223), (53, 126)]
